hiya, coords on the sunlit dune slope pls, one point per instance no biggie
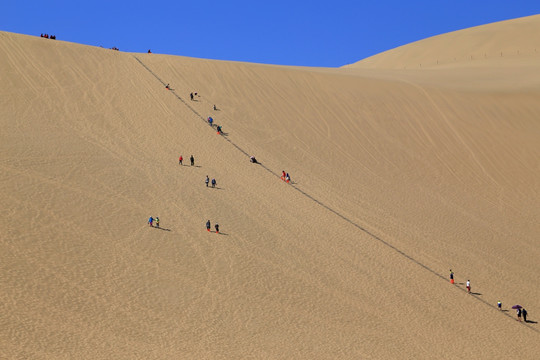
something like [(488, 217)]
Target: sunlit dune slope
[(503, 41), (395, 180)]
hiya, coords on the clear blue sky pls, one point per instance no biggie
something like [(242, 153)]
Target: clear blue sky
[(309, 33)]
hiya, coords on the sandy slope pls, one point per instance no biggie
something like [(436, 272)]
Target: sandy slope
[(505, 41), (397, 177)]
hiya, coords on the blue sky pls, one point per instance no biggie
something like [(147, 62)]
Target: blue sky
[(307, 33)]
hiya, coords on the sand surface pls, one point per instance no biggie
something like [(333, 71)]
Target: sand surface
[(398, 175)]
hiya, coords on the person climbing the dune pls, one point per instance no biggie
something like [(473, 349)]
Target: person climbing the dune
[(180, 159), (151, 221), (207, 180), (192, 159), (208, 225), (217, 228), (214, 183)]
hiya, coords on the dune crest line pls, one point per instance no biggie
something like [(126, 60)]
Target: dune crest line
[(359, 227)]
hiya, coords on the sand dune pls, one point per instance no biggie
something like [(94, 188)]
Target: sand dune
[(496, 44), (398, 176)]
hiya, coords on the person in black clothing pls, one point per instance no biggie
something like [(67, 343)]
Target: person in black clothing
[(213, 183), (524, 313), (217, 228), (192, 159), (191, 96), (208, 225)]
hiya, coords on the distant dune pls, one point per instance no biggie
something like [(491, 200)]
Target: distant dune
[(506, 40), (399, 174)]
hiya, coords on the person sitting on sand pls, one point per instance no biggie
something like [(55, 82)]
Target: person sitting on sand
[(253, 160)]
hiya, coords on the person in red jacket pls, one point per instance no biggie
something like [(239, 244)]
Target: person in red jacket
[(180, 159)]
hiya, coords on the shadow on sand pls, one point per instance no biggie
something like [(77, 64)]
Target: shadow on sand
[(160, 228)]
